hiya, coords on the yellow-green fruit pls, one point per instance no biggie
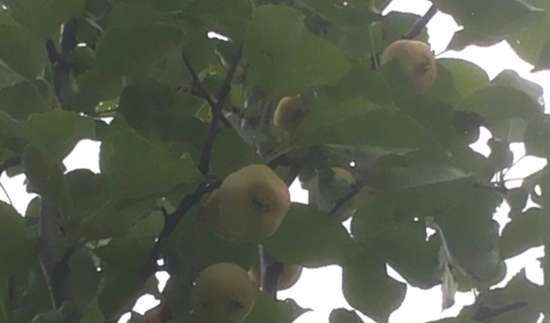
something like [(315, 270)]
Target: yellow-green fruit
[(250, 204), (223, 293), (288, 277), (289, 113), (416, 59)]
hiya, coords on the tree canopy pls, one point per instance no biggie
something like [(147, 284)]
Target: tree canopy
[(182, 93)]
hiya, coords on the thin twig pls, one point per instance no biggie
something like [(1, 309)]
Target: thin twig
[(197, 84), (485, 313), (421, 23), (59, 60), (51, 294), (171, 221), (204, 163), (6, 193), (345, 199), (199, 91)]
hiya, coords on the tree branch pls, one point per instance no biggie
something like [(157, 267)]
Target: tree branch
[(345, 199), (204, 164), (485, 313), (61, 66), (198, 90), (421, 23), (172, 220)]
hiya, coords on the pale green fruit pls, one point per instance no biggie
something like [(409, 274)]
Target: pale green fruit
[(289, 113), (288, 277), (416, 59), (223, 293), (250, 204)]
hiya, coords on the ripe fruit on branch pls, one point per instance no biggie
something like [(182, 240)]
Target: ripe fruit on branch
[(223, 293), (250, 204), (289, 113), (416, 60), (288, 277)]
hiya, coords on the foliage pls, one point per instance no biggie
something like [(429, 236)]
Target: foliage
[(182, 93)]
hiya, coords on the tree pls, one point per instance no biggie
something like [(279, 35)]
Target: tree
[(182, 93)]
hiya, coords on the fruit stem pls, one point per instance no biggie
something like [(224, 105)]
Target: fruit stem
[(421, 23)]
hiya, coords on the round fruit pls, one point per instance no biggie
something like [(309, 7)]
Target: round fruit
[(223, 293), (289, 113), (288, 277), (416, 59), (250, 204)]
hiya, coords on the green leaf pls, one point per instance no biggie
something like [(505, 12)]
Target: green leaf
[(229, 143), (527, 230), (341, 315), (502, 108), (92, 314), (400, 239), (532, 43), (16, 256), (454, 320), (139, 168), (310, 238), (359, 122), (229, 18), (93, 87), (158, 113), (268, 310), (285, 57), (20, 51), (368, 288), (127, 51), (7, 76), (122, 264), (485, 21), (511, 79), (24, 98), (340, 15), (45, 17), (44, 173), (83, 278), (467, 77), (57, 132), (479, 254), (519, 291)]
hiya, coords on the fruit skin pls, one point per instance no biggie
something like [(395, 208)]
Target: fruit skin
[(289, 276), (416, 59), (289, 113), (249, 206), (223, 293)]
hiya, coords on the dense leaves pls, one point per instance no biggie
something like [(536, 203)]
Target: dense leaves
[(181, 93)]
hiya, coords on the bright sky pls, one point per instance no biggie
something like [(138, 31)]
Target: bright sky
[(320, 289)]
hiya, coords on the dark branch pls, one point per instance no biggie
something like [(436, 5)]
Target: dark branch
[(345, 199), (421, 23), (197, 88), (172, 220), (217, 115), (199, 91), (485, 313), (59, 60)]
